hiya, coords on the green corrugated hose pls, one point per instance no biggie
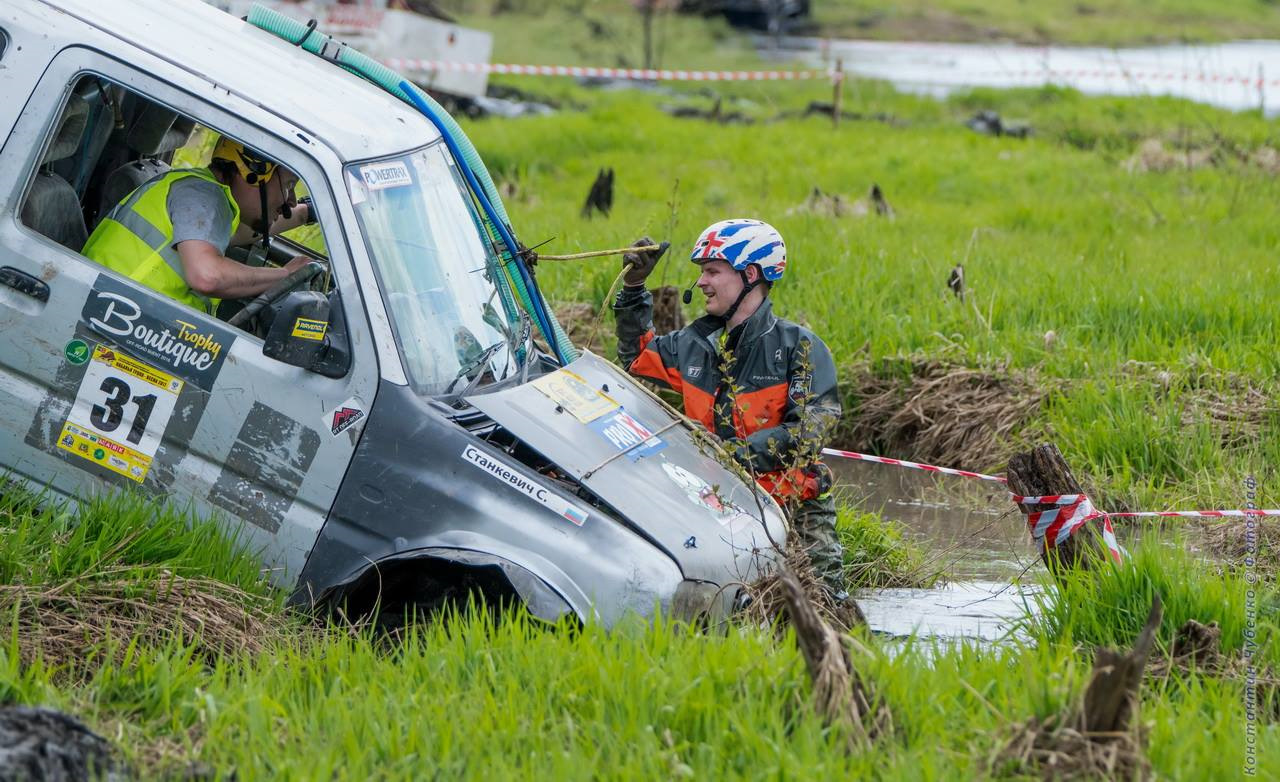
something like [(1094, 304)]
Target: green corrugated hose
[(362, 65)]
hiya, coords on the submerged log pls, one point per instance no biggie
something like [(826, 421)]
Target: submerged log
[(1112, 694), (1041, 471), (840, 695), (1100, 739)]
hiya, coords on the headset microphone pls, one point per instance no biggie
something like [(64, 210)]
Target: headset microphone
[(688, 292)]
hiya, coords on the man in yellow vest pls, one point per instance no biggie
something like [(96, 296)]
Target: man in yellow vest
[(172, 233)]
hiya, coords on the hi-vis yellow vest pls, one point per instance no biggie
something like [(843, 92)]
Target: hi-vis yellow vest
[(136, 238)]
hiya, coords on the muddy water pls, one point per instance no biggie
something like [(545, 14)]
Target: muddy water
[(1236, 75), (971, 533)]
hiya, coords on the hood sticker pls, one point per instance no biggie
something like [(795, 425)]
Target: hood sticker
[(627, 434), (158, 331), (704, 494), (344, 416), (574, 394), (513, 478)]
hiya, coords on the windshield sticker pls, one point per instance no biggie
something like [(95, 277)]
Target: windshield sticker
[(120, 413), (345, 416), (627, 434), (158, 331), (306, 328), (380, 176), (699, 492), (574, 394), (359, 193), (512, 477)]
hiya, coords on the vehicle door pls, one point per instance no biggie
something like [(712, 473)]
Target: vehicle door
[(107, 384)]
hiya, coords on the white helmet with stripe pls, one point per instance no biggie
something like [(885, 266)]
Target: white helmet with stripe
[(741, 242)]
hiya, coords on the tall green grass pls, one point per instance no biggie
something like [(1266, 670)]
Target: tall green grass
[(477, 698), (46, 541), (1106, 22)]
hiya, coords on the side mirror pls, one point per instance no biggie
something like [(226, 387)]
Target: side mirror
[(302, 335)]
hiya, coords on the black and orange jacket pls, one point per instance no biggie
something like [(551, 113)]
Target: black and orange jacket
[(770, 384)]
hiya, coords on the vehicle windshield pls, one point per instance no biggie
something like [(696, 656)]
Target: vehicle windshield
[(432, 258)]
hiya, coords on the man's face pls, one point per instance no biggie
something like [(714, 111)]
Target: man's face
[(279, 192), (721, 284)]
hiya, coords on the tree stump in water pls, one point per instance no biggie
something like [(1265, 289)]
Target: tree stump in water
[(1042, 471)]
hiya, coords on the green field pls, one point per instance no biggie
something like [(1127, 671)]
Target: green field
[(608, 32), (1103, 22), (1122, 300)]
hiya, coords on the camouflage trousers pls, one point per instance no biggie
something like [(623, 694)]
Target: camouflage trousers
[(813, 527)]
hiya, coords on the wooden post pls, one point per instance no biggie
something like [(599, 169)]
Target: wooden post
[(1043, 471), (1262, 91), (838, 91)]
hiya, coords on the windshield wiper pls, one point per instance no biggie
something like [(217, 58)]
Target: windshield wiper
[(471, 366), (526, 344)]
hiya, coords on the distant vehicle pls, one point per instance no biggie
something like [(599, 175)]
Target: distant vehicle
[(387, 33), (388, 429), (767, 15)]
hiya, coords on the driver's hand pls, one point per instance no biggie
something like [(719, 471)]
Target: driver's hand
[(297, 262)]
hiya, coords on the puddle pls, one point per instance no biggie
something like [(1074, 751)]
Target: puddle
[(971, 610), (967, 527), (1236, 75)]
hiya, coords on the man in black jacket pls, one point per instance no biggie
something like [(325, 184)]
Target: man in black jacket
[(765, 386)]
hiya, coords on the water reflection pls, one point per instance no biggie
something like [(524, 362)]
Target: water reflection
[(969, 530), (1236, 75)]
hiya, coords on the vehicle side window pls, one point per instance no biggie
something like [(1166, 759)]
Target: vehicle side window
[(155, 196)]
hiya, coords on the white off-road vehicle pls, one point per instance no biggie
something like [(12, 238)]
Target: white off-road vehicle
[(386, 425)]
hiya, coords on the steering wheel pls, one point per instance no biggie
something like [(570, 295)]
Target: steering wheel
[(296, 280)]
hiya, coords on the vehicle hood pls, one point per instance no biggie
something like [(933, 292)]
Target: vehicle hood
[(674, 491)]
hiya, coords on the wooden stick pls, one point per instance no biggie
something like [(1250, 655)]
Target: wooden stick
[(597, 253), (838, 94)]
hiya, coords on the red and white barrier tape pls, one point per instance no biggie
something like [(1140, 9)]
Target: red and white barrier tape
[(1124, 75), (1051, 527), (913, 465), (432, 66), (650, 74)]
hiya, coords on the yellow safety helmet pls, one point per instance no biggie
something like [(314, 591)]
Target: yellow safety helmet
[(255, 170)]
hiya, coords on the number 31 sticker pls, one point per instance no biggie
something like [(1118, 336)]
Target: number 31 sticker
[(120, 413)]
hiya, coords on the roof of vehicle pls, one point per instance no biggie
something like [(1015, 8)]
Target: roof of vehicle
[(354, 117)]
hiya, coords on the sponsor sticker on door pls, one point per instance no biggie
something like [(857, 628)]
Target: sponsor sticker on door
[(515, 479), (158, 331), (120, 413), (344, 416), (306, 328)]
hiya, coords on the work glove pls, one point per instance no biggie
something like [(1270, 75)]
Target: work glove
[(642, 263)]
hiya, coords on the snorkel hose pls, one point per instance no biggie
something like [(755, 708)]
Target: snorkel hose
[(513, 279)]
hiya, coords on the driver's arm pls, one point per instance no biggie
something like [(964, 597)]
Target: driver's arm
[(210, 273)]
